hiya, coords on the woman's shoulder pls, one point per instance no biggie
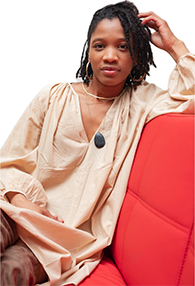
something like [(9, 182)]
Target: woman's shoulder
[(77, 86), (146, 91), (48, 94), (58, 89), (52, 89)]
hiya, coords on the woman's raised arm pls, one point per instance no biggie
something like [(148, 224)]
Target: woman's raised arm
[(163, 38)]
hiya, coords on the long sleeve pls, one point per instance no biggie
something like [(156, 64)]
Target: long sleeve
[(180, 96), (19, 153)]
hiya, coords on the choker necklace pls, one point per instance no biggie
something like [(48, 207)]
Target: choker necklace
[(98, 97)]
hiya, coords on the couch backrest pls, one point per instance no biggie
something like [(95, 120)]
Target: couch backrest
[(153, 242)]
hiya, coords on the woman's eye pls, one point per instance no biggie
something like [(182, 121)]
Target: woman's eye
[(99, 46), (123, 47)]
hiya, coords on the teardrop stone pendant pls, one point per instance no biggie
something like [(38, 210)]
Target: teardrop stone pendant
[(99, 140)]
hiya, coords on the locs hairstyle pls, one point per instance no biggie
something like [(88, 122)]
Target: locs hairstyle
[(140, 48)]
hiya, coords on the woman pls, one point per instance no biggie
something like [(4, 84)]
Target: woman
[(65, 165)]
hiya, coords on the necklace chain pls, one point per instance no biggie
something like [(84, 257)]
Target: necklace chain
[(93, 103), (99, 139)]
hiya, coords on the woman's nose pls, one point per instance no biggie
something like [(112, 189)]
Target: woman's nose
[(110, 55)]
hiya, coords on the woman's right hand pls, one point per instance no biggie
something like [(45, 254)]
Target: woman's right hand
[(163, 38), (19, 200)]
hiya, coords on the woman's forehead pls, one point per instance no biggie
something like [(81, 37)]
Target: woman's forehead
[(108, 27)]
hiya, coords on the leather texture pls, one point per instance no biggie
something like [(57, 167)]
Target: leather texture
[(153, 242), (105, 274)]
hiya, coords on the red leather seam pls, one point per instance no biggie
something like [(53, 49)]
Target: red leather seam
[(159, 214), (137, 193), (185, 254)]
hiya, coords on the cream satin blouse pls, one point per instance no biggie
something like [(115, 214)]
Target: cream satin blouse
[(49, 159)]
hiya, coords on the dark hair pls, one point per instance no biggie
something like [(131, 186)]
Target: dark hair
[(140, 50)]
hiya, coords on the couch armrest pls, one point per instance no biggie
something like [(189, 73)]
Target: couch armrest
[(153, 238)]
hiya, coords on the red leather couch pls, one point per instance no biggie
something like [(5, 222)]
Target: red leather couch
[(153, 242)]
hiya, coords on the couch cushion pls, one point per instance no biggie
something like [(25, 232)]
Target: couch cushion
[(106, 273), (153, 239)]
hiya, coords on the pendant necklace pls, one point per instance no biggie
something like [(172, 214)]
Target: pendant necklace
[(99, 139)]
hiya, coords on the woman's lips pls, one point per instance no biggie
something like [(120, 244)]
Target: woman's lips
[(110, 71)]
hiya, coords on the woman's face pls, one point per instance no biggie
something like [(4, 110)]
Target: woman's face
[(109, 54)]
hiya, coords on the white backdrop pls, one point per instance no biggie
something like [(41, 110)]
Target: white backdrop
[(42, 42)]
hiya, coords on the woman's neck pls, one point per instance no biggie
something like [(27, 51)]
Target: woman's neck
[(105, 90)]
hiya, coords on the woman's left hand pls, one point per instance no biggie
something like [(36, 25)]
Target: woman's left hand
[(163, 38)]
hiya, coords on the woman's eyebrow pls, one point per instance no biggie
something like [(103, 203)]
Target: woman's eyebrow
[(103, 39), (98, 39)]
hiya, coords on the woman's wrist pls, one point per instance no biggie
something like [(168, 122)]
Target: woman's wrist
[(178, 50), (15, 198)]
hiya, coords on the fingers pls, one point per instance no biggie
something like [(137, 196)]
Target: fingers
[(45, 212), (163, 37), (148, 16), (20, 200), (55, 217), (152, 20), (58, 219)]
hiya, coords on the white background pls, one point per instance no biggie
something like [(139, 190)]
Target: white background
[(42, 42)]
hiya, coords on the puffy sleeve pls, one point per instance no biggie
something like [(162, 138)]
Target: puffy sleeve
[(19, 153), (180, 96)]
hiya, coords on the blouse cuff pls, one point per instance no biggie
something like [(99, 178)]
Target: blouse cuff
[(5, 192), (188, 55)]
